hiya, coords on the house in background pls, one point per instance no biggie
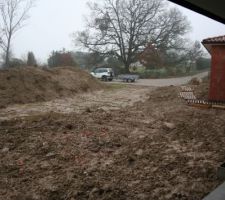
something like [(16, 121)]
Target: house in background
[(216, 47)]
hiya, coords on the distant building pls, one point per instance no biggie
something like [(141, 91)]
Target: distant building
[(137, 65), (216, 47)]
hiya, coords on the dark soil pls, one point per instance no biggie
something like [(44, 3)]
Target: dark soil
[(202, 91), (159, 150)]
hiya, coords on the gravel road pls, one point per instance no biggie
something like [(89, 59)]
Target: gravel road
[(165, 82)]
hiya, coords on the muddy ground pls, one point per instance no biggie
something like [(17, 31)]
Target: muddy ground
[(158, 149), (114, 97)]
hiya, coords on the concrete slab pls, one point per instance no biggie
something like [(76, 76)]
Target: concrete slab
[(217, 194)]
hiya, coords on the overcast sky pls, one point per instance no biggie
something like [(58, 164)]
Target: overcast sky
[(52, 22)]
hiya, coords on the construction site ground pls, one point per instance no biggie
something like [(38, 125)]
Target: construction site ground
[(120, 142)]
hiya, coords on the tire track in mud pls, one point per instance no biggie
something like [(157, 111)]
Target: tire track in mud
[(105, 99)]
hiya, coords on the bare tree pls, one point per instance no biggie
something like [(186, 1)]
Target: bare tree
[(124, 28), (193, 54), (13, 14), (151, 57)]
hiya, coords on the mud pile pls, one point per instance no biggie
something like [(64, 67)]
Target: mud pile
[(202, 91), (26, 85)]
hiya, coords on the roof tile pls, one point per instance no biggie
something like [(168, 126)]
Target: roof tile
[(215, 40)]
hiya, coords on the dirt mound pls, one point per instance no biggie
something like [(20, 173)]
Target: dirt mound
[(202, 91), (27, 85), (164, 94), (195, 81)]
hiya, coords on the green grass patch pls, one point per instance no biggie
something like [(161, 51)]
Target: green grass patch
[(116, 86)]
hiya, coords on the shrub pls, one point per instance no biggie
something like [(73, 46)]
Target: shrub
[(61, 58), (180, 71), (15, 62), (203, 63), (154, 73)]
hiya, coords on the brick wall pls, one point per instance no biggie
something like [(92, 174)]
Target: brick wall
[(217, 83)]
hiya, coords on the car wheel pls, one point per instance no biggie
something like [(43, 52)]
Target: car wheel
[(104, 78)]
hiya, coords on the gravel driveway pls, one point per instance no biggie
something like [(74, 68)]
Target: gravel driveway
[(166, 82)]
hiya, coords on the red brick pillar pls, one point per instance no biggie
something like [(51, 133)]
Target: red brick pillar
[(217, 82)]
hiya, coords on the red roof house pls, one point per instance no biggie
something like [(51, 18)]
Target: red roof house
[(216, 47)]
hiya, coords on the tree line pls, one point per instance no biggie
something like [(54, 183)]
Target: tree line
[(13, 14), (118, 34)]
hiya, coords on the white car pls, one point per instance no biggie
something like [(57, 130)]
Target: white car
[(105, 74)]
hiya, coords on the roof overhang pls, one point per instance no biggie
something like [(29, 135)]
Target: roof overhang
[(213, 9), (208, 47), (213, 41)]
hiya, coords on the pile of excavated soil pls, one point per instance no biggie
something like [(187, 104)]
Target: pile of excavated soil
[(161, 149), (27, 85), (202, 91)]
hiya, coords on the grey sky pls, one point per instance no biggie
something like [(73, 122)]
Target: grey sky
[(53, 21)]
